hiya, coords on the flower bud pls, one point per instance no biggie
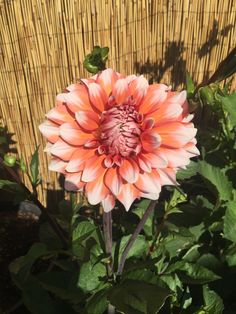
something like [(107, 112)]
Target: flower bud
[(10, 160)]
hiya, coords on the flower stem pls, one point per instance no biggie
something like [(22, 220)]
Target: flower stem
[(134, 236), (107, 231), (57, 229), (111, 309)]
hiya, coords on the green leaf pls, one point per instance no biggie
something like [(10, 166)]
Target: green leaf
[(90, 277), (139, 211), (104, 53), (229, 106), (95, 61), (189, 172), (66, 265), (79, 251), (175, 243), (226, 68), (66, 210), (34, 167), (213, 302), (11, 186), (38, 300), (173, 282), (177, 197), (62, 284), (89, 67), (137, 297), (18, 192), (48, 236), (219, 183), (141, 274), (138, 249), (23, 166), (186, 299), (230, 222), (209, 261), (230, 255), (98, 303), (21, 266), (190, 85), (192, 254), (207, 95), (192, 273), (3, 139), (83, 230)]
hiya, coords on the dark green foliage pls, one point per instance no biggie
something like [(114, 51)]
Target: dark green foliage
[(96, 60)]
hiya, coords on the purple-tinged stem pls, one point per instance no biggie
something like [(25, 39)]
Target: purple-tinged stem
[(107, 231), (134, 236)]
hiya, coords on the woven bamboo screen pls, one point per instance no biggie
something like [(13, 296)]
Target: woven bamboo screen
[(43, 44)]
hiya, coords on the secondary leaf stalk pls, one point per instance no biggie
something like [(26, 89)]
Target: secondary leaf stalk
[(134, 236)]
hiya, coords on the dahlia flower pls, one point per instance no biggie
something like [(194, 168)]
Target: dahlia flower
[(117, 137)]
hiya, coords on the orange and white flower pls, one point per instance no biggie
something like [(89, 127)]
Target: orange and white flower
[(117, 137)]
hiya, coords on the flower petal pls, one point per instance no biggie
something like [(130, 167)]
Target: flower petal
[(73, 87), (192, 149), (77, 99), (127, 195), (167, 176), (138, 88), (97, 96), (120, 91), (78, 158), (144, 163), (60, 115), (149, 183), (176, 157), (177, 97), (155, 95), (48, 147), (150, 140), (108, 203), (129, 170), (155, 160), (150, 196), (62, 150), (107, 79), (72, 134), (176, 134), (50, 130), (93, 168), (57, 165), (96, 190), (148, 123), (167, 112), (73, 182), (113, 180), (88, 120)]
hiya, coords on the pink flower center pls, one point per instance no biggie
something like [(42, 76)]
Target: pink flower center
[(120, 131)]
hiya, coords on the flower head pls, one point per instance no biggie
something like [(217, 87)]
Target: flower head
[(119, 137)]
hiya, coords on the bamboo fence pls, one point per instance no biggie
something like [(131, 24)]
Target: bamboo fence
[(43, 44)]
